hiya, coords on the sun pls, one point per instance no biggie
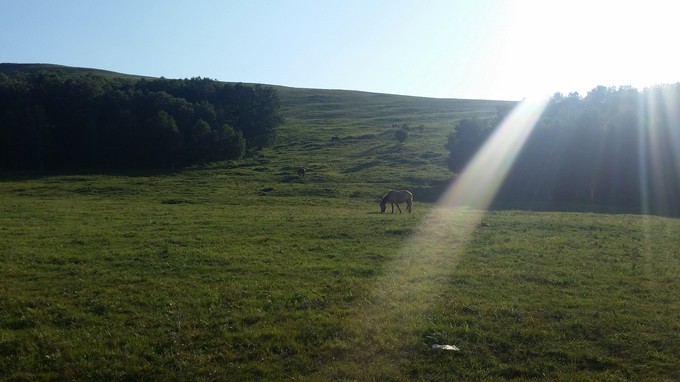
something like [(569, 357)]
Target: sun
[(545, 47)]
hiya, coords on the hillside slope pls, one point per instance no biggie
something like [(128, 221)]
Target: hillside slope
[(10, 68), (244, 269), (348, 136)]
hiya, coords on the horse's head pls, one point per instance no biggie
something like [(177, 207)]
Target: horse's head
[(383, 207)]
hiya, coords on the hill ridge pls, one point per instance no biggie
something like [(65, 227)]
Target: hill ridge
[(9, 68), (348, 136)]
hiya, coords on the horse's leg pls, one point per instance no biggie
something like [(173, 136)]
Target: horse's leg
[(409, 206), (392, 203), (399, 207)]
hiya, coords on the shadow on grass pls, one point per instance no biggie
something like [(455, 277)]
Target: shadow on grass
[(12, 176), (362, 166), (433, 193), (545, 206)]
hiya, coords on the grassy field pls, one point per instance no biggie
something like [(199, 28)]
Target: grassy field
[(243, 271)]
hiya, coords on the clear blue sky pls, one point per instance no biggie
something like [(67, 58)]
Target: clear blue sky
[(485, 49)]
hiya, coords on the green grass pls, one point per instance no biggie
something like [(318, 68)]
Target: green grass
[(243, 271)]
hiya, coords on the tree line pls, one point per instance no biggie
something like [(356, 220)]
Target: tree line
[(615, 146), (50, 120)]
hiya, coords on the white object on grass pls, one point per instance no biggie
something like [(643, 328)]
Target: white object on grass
[(445, 347)]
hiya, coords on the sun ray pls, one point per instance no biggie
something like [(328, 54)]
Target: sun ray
[(658, 142), (479, 182), (410, 284), (645, 108)]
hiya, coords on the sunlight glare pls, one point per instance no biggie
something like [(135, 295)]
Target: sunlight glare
[(478, 183), (654, 143), (409, 287)]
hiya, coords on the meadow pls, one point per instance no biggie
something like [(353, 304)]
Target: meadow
[(245, 271)]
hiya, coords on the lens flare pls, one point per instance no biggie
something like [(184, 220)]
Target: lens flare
[(479, 182), (445, 230), (658, 140), (409, 287)]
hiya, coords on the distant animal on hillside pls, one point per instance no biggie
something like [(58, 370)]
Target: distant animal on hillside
[(301, 172), (396, 197)]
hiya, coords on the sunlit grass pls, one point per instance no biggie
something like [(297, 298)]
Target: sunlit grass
[(411, 283), (119, 283), (532, 295), (243, 271)]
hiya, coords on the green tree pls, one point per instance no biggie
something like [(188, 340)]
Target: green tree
[(201, 136), (465, 140), (166, 143), (401, 134), (227, 143)]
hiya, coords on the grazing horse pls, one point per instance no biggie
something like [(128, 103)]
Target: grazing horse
[(396, 197), (301, 172)]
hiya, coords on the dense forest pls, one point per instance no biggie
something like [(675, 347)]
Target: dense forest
[(52, 120), (615, 146)]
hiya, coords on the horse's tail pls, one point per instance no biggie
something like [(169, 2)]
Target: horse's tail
[(410, 202)]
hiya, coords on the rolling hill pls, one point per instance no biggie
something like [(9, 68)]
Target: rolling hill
[(349, 136), (10, 68), (242, 270)]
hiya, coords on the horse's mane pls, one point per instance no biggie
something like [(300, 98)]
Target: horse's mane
[(386, 197)]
